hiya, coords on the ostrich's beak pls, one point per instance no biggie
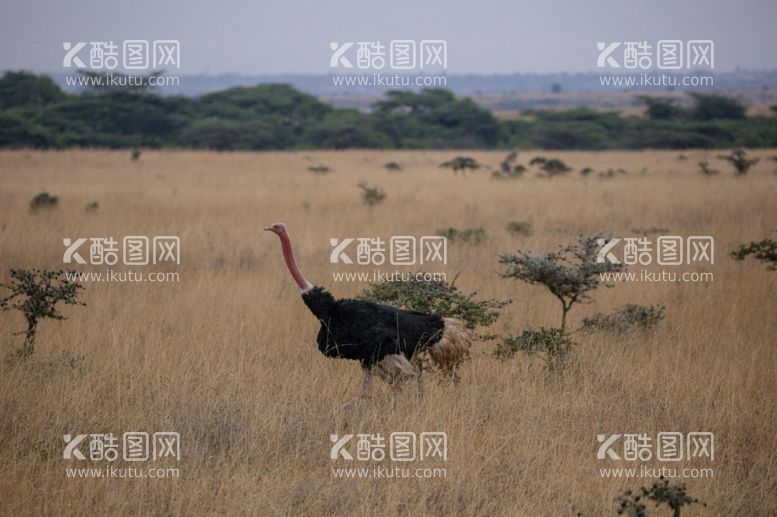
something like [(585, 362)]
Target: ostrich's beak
[(269, 229)]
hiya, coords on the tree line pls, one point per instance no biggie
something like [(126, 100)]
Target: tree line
[(36, 113)]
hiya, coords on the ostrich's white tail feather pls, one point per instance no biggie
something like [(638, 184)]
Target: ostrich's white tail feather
[(453, 347), (447, 354), (394, 367)]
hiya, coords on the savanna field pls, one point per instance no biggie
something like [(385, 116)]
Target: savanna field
[(227, 357)]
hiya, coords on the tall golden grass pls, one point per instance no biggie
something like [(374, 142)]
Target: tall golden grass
[(227, 356)]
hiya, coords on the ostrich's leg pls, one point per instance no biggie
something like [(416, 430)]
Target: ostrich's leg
[(366, 389)]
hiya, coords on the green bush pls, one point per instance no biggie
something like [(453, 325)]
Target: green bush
[(519, 228), (470, 235), (705, 169), (435, 297), (765, 251), (551, 166), (553, 344), (675, 496), (738, 158), (42, 201), (371, 195), (461, 163), (626, 319), (319, 169)]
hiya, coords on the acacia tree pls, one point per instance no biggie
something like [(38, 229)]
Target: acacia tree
[(35, 293), (569, 273)]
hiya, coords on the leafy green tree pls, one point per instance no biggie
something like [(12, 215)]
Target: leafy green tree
[(23, 89), (345, 130), (662, 108), (18, 130), (295, 107), (713, 106), (427, 100), (224, 135), (436, 118)]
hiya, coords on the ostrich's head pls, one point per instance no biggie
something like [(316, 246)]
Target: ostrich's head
[(277, 228)]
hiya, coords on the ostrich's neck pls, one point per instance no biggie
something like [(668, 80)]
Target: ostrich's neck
[(288, 256)]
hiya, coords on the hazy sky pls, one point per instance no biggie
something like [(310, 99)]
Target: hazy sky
[(484, 36)]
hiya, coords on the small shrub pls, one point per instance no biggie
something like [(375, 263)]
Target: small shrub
[(471, 235), (135, 156), (765, 251), (706, 170), (511, 174), (319, 169), (738, 158), (461, 163), (65, 361), (42, 201), (660, 492), (92, 207), (552, 343), (551, 166), (371, 195), (392, 166), (555, 166), (35, 293), (507, 164), (508, 168), (519, 228), (585, 171), (611, 173), (626, 319)]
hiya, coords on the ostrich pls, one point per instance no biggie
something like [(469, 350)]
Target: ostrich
[(383, 339)]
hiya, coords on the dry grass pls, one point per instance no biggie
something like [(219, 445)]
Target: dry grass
[(227, 356)]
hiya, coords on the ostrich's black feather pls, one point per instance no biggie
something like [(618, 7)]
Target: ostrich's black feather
[(368, 332)]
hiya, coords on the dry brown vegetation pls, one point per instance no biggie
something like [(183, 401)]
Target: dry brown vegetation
[(227, 356)]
